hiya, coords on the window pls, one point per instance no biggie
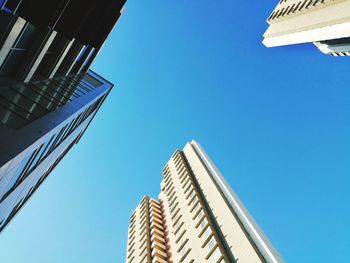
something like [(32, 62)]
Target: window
[(168, 186), (181, 242), (11, 117), (206, 233), (54, 144), (48, 146), (203, 224), (69, 129), (196, 208), (19, 172), (131, 253), (184, 252), (144, 259), (177, 218), (180, 236), (182, 172), (215, 256), (191, 194), (211, 243), (189, 188), (174, 215), (172, 208), (177, 226), (199, 216), (167, 181), (184, 178), (18, 51), (170, 191), (91, 81), (172, 199), (193, 201), (188, 260), (188, 182)]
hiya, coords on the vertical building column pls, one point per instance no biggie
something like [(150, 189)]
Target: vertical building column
[(53, 57), (82, 59), (38, 56), (61, 58), (86, 60), (75, 59), (69, 58), (89, 61), (11, 38)]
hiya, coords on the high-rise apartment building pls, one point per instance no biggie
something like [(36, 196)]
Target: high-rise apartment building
[(324, 22), (48, 95), (197, 218)]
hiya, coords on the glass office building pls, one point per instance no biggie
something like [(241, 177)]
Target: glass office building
[(48, 95), (197, 218)]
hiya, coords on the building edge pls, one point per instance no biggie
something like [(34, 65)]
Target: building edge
[(261, 241)]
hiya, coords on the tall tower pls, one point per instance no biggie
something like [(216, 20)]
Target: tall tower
[(146, 237), (198, 218), (48, 95), (324, 22)]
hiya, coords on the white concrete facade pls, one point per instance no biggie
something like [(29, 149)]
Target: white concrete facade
[(200, 218), (302, 21)]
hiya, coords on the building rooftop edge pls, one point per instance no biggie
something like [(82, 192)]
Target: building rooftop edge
[(262, 242)]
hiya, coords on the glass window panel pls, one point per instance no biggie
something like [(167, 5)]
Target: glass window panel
[(25, 39), (194, 200), (10, 118), (14, 108), (92, 81), (196, 207), (63, 90), (59, 137), (211, 243), (19, 171), (9, 67), (203, 223), (53, 92), (65, 132), (199, 216), (44, 93), (47, 147), (17, 99), (215, 256), (36, 158), (207, 233), (183, 250), (36, 97)]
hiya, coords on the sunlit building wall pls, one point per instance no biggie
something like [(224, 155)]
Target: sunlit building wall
[(198, 218), (48, 95), (325, 22)]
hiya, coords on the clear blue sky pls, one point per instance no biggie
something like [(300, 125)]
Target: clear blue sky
[(275, 121)]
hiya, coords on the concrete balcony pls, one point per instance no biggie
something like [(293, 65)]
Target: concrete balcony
[(159, 254), (158, 260)]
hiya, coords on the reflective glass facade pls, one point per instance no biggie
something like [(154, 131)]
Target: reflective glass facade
[(198, 218), (50, 135), (48, 95)]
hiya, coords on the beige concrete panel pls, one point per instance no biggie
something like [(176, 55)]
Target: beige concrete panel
[(329, 21), (235, 237)]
